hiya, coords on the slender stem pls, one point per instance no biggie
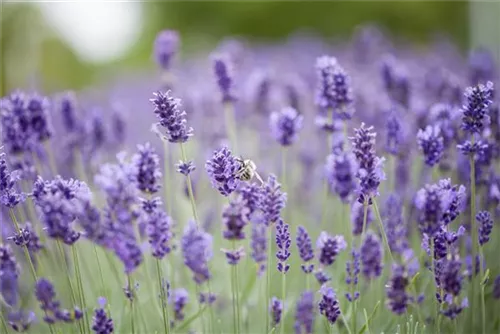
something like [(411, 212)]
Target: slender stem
[(268, 277), (4, 324), (284, 184), (233, 289), (103, 286), (167, 178), (483, 306), (474, 231), (212, 317), (237, 283), (25, 247), (190, 188), (230, 125), (132, 323), (382, 230), (80, 286), (433, 271), (283, 297), (163, 300)]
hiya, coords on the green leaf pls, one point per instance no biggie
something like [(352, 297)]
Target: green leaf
[(190, 320), (365, 326), (366, 319), (486, 277)]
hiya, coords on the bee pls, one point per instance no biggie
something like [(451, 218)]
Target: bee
[(247, 170)]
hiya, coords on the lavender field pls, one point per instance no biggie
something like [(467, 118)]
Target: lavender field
[(296, 187)]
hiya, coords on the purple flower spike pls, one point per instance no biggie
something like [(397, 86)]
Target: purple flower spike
[(396, 228), (223, 70), (329, 305), (485, 226), (222, 169), (370, 171), (9, 196), (20, 321), (304, 313), (159, 231), (475, 109), (430, 142), (102, 323), (46, 296), (276, 309), (273, 200), (372, 256), (283, 242), (397, 297), (352, 274), (181, 298), (322, 277), (147, 164), (171, 117), (431, 203), (329, 247), (234, 218), (165, 47), (259, 245), (233, 256), (67, 108), (306, 252), (197, 251), (496, 287), (393, 134), (9, 274), (341, 168), (27, 237), (357, 217), (285, 125), (185, 167)]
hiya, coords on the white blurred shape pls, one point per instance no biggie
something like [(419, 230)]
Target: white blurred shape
[(98, 31)]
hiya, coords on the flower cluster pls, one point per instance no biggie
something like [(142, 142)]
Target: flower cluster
[(222, 169), (171, 117)]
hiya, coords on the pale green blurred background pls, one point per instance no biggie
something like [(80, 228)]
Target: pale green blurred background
[(53, 46)]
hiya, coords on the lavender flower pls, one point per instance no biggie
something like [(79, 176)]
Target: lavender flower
[(197, 250), (185, 167), (46, 296), (431, 205), (475, 109), (102, 323), (283, 242), (430, 142), (9, 274), (222, 169), (60, 201), (357, 217), (223, 70), (147, 165), (234, 218), (276, 309), (251, 194), (393, 134), (20, 321), (304, 313), (16, 123), (395, 227), (233, 256), (285, 125), (37, 107), (159, 231), (329, 305), (352, 274), (167, 110), (341, 168), (450, 279), (67, 108), (95, 131), (455, 199), (322, 277), (306, 252), (329, 247), (181, 298), (496, 287), (28, 237), (397, 297), (476, 149), (166, 45), (9, 196), (372, 256), (259, 245), (370, 171), (273, 200), (118, 125), (207, 298), (485, 226), (395, 81)]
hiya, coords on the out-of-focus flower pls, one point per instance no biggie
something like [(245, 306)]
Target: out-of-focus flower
[(181, 298), (341, 168), (306, 252), (223, 70), (430, 142), (234, 218), (397, 297), (304, 313), (185, 167), (485, 226), (357, 217), (147, 165), (276, 309), (372, 256), (273, 200), (165, 47), (9, 275), (102, 322), (329, 306), (285, 125), (329, 247), (197, 251), (352, 274)]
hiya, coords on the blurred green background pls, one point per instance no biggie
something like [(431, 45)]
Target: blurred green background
[(35, 54)]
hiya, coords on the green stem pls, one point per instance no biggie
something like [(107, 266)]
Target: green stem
[(190, 188), (163, 301), (483, 305), (212, 317), (283, 297), (80, 287), (25, 247), (433, 264), (284, 185), (382, 230), (132, 323), (230, 125), (103, 286), (4, 324), (233, 288), (167, 178), (474, 231), (237, 283), (268, 277)]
